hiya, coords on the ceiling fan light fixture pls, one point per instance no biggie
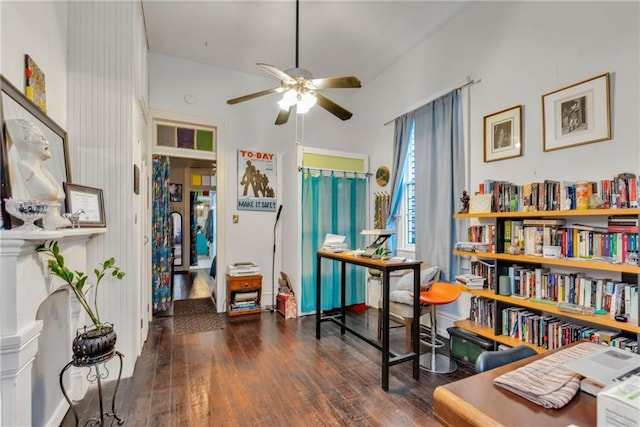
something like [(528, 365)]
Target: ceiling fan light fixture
[(289, 99), (308, 99)]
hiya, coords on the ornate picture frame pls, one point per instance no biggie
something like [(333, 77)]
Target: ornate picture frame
[(503, 134), (577, 114), (15, 105), (88, 199)]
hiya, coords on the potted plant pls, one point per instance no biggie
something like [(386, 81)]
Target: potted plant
[(380, 253), (98, 341)]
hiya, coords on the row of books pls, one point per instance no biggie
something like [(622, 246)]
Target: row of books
[(611, 296), (551, 332), (613, 243), (485, 269), (622, 191), (484, 234), (483, 311), (248, 300)]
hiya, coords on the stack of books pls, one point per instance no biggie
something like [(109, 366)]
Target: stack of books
[(334, 243), (471, 281)]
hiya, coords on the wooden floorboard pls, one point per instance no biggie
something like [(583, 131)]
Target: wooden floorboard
[(263, 370)]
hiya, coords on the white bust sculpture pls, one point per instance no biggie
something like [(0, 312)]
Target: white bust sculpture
[(29, 178)]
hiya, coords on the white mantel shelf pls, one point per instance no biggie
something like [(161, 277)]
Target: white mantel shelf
[(38, 320), (49, 234)]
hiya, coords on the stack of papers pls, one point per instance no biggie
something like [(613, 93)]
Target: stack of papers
[(334, 243), (471, 281)]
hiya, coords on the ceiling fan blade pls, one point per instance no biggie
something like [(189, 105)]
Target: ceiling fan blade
[(276, 72), (283, 116), (336, 82), (332, 107), (255, 95)]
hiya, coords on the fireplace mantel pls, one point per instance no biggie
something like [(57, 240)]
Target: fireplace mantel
[(29, 397)]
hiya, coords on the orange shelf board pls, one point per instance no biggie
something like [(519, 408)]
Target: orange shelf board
[(574, 263), (487, 332), (551, 214), (604, 320)]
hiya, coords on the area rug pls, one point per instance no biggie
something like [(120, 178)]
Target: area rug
[(195, 315)]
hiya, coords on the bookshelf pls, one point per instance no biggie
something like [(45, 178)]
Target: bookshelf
[(537, 307)]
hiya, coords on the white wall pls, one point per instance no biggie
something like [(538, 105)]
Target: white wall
[(94, 97), (519, 51), (249, 126), (37, 28), (107, 79)]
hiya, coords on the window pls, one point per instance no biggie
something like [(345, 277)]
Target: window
[(407, 222)]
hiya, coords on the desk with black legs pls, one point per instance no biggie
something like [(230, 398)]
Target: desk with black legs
[(389, 357)]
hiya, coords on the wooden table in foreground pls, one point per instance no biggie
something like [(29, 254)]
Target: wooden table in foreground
[(389, 358), (475, 401)]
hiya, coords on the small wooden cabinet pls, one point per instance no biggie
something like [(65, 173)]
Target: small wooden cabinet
[(244, 294)]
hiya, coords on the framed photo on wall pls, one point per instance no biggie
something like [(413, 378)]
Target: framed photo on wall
[(175, 192), (88, 201), (577, 114), (503, 134)]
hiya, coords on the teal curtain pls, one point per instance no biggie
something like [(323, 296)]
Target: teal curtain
[(332, 202), (162, 236)]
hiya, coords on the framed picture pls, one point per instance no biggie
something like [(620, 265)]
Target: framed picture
[(15, 105), (577, 114), (503, 134), (257, 174), (175, 192), (88, 202)]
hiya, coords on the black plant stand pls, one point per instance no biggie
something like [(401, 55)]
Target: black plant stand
[(95, 375)]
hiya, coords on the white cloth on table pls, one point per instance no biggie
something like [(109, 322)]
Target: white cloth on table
[(545, 381)]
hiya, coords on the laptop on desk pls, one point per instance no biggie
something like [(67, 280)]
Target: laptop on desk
[(606, 366)]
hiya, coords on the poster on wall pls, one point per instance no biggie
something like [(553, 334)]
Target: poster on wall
[(256, 181)]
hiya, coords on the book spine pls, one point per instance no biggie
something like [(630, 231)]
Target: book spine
[(582, 196)]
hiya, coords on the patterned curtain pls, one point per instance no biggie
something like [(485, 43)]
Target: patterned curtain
[(332, 202), (161, 256), (193, 213)]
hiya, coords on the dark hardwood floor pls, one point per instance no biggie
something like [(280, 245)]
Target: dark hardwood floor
[(263, 370)]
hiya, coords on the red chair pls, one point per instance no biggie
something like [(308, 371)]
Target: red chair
[(440, 293)]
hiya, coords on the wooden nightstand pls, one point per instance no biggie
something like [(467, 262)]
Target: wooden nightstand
[(244, 294)]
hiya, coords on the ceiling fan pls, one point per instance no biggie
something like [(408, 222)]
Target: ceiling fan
[(301, 90)]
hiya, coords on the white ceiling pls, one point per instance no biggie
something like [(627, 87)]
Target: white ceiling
[(336, 38)]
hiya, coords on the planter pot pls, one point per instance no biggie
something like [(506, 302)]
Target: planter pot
[(375, 272), (93, 345)]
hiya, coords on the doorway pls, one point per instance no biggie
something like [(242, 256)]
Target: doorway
[(204, 211), (193, 218)]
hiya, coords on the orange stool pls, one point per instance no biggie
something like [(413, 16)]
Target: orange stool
[(440, 293)]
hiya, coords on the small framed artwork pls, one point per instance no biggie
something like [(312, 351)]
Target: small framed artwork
[(175, 192), (503, 134), (577, 114), (88, 202)]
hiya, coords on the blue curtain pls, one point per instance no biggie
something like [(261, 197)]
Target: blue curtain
[(162, 236), (401, 138), (439, 157), (332, 202)]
